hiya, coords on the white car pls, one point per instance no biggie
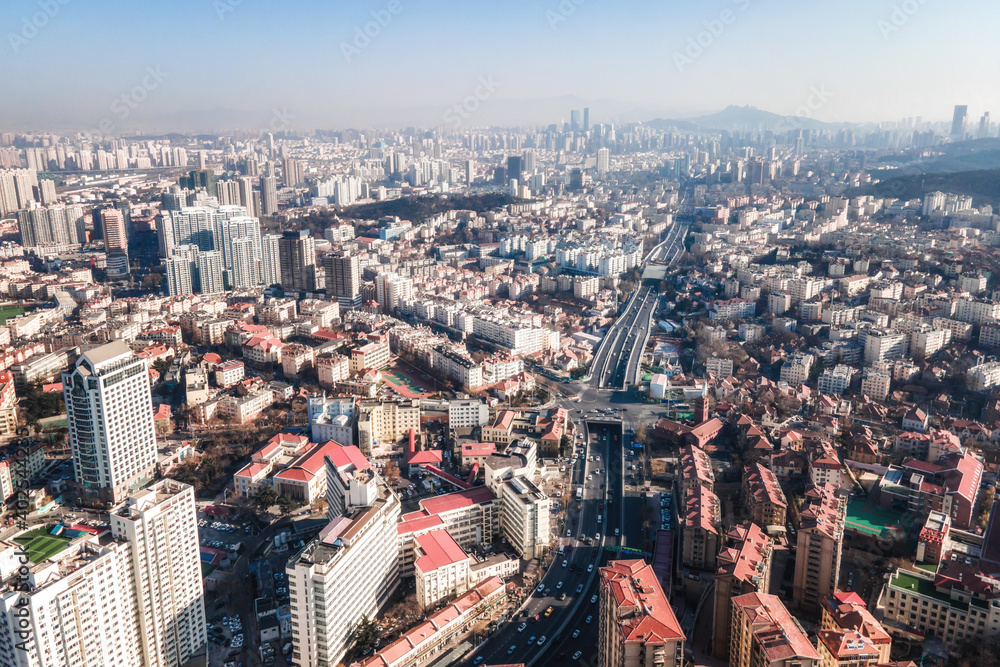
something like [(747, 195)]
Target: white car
[(522, 627), (541, 640), (589, 619), (559, 585), (590, 568), (593, 599), (576, 633), (565, 563)]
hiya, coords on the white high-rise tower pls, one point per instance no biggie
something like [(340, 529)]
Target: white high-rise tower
[(109, 413)]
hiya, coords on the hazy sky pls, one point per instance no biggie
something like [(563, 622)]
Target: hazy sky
[(254, 64)]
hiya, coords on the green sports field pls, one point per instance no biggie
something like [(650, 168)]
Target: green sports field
[(7, 312), (864, 516), (40, 545)]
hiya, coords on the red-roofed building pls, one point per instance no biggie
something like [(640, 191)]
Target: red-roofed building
[(266, 459), (950, 485), (701, 523), (418, 644), (819, 544), (262, 350), (304, 479), (846, 648), (637, 626), (696, 469), (154, 353), (477, 452), (471, 516), (933, 540), (763, 498), (848, 612), (764, 634), (744, 567), (441, 567)]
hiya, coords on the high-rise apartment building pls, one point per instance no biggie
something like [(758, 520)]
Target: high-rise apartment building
[(959, 122), (240, 245), (636, 625), (293, 172), (268, 195), (270, 260), (764, 634), (180, 270), (343, 279), (603, 160), (115, 234), (247, 196), (51, 225), (160, 524), (297, 256), (392, 289), (744, 566), (16, 189), (209, 265), (818, 549), (126, 597), (109, 413), (351, 569), (229, 193)]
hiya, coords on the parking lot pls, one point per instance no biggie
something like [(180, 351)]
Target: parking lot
[(222, 534)]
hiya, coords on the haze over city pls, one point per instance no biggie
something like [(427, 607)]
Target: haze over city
[(228, 63), (564, 333)]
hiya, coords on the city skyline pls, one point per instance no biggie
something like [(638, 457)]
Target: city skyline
[(390, 64)]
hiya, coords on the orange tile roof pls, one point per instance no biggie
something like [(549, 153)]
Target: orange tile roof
[(643, 611)]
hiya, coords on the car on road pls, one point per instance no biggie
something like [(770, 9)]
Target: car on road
[(576, 633), (593, 599), (541, 587), (565, 563), (590, 568), (562, 596), (559, 585), (511, 650), (534, 619), (541, 640), (479, 660), (589, 619), (548, 591), (532, 640), (616, 532), (579, 589), (548, 612), (521, 627)]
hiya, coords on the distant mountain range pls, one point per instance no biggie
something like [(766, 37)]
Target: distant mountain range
[(744, 118)]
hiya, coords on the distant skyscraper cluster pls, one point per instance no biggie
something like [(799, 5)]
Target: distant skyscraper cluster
[(209, 250)]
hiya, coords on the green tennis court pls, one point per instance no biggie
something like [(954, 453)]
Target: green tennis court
[(404, 384), (40, 545), (864, 518)]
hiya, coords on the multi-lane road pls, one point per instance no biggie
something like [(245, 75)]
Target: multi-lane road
[(596, 528), (616, 363), (573, 572)]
